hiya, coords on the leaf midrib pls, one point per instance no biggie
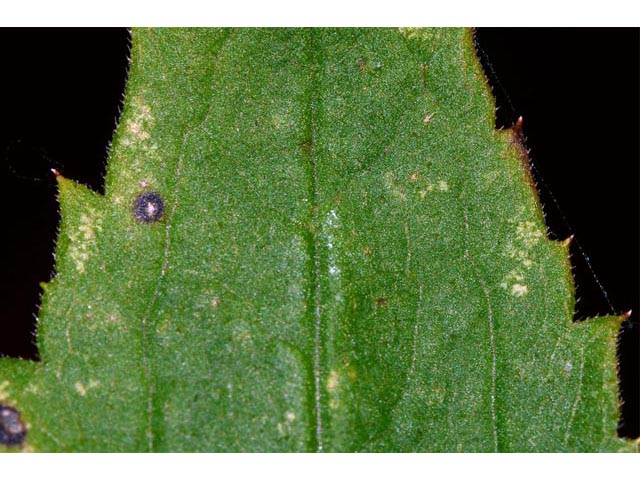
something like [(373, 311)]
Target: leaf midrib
[(314, 253)]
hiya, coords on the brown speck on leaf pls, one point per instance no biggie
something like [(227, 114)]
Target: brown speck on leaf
[(215, 302), (367, 250), (306, 146), (382, 302), (413, 177), (12, 429)]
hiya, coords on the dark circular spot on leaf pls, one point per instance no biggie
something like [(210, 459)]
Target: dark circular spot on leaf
[(12, 428), (148, 207)]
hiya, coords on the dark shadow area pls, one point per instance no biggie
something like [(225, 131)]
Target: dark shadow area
[(577, 90), (60, 92)]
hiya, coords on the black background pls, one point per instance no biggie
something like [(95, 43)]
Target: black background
[(577, 90)]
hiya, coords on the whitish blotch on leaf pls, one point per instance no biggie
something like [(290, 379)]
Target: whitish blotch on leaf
[(4, 395), (138, 123), (284, 428), (520, 250), (83, 241), (82, 389), (333, 387), (413, 33), (148, 207), (12, 429)]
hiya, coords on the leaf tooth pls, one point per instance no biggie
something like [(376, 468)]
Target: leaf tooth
[(567, 241), (81, 220)]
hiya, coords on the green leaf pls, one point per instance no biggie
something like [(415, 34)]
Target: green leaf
[(349, 258)]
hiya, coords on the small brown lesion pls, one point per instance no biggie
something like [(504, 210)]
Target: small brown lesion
[(306, 147), (382, 302), (13, 431)]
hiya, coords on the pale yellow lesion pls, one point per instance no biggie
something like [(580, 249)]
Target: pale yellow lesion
[(283, 120), (284, 427), (84, 239), (136, 133), (137, 126), (337, 381), (333, 381), (82, 389), (518, 290), (333, 387), (411, 33), (33, 388), (528, 234), (405, 189), (520, 250), (4, 391)]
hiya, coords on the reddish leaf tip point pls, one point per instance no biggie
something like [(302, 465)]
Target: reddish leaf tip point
[(627, 314), (518, 125), (568, 240)]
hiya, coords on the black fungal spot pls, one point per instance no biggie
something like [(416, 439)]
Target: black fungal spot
[(148, 207), (12, 428)]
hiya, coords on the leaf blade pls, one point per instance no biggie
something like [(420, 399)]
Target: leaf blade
[(351, 259)]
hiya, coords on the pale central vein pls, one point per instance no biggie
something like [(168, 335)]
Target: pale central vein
[(317, 337), (577, 400)]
